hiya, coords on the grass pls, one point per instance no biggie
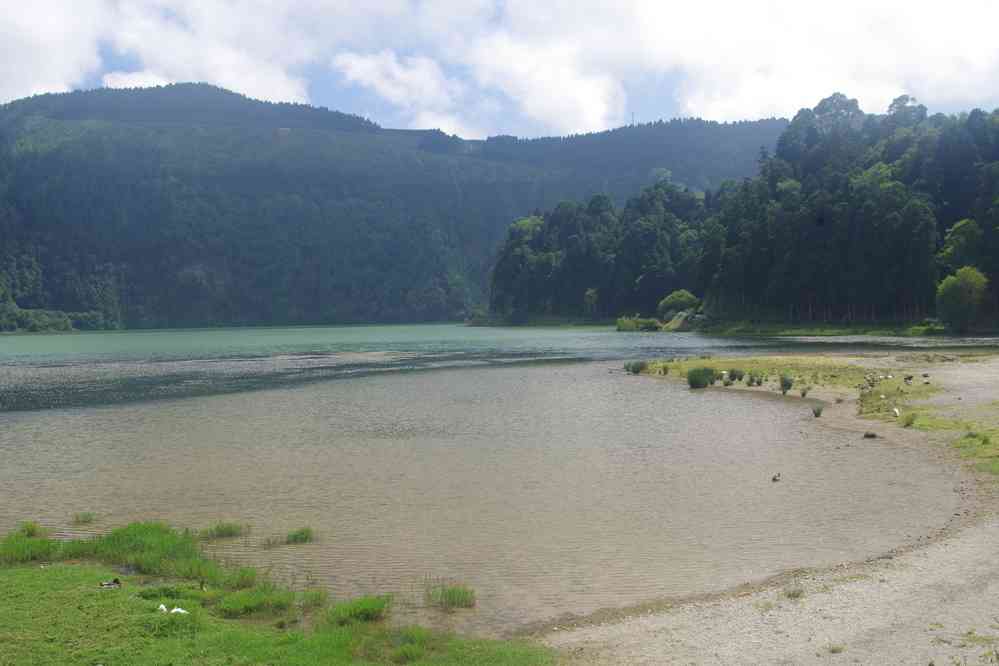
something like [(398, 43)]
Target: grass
[(448, 596), (835, 649), (362, 609), (84, 518), (58, 614), (262, 598), (634, 324), (809, 370), (817, 411), (301, 535), (753, 328), (794, 593), (225, 531)]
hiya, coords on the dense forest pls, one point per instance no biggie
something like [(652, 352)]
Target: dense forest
[(854, 217), (189, 205)]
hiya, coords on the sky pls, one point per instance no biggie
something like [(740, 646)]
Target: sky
[(478, 68)]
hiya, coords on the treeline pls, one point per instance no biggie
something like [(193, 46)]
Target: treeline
[(189, 205), (854, 217)]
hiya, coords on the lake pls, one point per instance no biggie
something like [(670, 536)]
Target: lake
[(522, 462)]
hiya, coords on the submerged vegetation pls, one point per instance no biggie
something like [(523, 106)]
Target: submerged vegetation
[(448, 596), (225, 531), (59, 614)]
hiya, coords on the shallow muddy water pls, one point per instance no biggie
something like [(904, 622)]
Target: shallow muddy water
[(549, 488)]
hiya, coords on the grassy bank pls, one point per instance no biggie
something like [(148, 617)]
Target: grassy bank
[(778, 329), (894, 394), (54, 611), (682, 323)]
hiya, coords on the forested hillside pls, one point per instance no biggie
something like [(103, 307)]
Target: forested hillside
[(855, 217), (189, 205)]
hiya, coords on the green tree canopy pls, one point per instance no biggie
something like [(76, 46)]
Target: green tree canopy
[(681, 299), (960, 297)]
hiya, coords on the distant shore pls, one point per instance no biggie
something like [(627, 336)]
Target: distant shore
[(928, 599)]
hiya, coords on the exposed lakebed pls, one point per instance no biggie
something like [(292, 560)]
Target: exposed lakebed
[(550, 488)]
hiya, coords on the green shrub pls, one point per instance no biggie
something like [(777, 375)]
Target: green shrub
[(736, 375), (908, 419), (786, 382), (726, 382), (636, 367), (698, 378), (84, 518), (362, 609), (301, 535), (817, 411)]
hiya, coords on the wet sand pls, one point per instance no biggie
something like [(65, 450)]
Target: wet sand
[(930, 600)]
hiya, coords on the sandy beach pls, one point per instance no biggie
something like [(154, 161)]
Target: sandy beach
[(929, 601)]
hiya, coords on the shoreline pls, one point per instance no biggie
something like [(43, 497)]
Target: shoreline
[(634, 634)]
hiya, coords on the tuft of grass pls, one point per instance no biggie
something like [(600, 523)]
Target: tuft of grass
[(313, 598), (835, 649), (242, 578), (702, 377), (804, 391), (32, 530), (794, 593), (448, 596), (151, 548), (224, 530), (262, 598), (301, 535), (817, 411), (786, 382), (362, 609), (84, 518), (908, 419), (174, 625)]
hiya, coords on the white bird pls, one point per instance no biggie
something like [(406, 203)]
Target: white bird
[(162, 608), (896, 412), (180, 610)]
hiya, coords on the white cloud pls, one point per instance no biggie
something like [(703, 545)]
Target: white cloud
[(500, 65), (143, 79), (44, 47)]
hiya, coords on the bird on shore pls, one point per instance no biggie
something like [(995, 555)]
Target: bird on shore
[(111, 584), (776, 477)]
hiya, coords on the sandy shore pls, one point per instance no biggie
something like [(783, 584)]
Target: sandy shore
[(931, 601)]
